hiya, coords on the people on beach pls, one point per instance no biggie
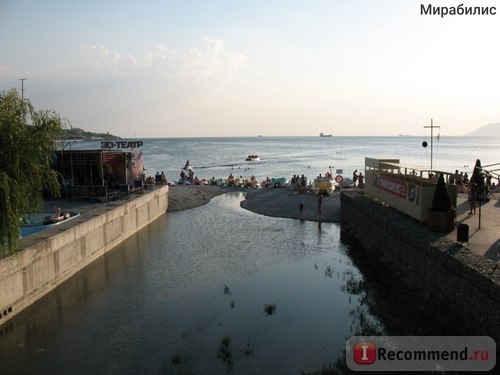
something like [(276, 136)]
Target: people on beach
[(478, 179), (230, 180), (202, 195), (266, 183), (354, 177), (320, 203), (488, 179), (183, 177), (303, 184), (361, 179)]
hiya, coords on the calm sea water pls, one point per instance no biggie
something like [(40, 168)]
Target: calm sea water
[(188, 294), (286, 156)]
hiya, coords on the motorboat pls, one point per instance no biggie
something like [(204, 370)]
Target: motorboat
[(252, 158), (324, 135)]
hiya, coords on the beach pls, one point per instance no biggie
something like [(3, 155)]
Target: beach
[(277, 202)]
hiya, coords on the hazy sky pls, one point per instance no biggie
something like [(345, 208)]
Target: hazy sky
[(231, 68)]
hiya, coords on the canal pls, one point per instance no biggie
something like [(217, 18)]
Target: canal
[(204, 291)]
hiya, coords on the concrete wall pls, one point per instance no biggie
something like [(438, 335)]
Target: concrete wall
[(469, 283), (54, 255)]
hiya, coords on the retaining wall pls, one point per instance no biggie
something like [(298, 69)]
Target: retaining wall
[(54, 255), (469, 283)]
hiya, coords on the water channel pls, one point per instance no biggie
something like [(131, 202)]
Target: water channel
[(210, 290)]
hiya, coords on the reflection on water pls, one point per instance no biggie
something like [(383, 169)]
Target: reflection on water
[(208, 290)]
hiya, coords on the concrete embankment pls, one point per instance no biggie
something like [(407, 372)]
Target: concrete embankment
[(466, 282), (52, 256)]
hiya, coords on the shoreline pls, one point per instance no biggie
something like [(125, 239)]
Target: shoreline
[(276, 202)]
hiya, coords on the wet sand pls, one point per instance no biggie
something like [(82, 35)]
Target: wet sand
[(279, 202)]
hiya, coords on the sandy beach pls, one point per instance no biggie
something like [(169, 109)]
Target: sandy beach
[(279, 202)]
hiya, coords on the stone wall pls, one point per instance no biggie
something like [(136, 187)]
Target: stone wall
[(54, 255), (469, 283)]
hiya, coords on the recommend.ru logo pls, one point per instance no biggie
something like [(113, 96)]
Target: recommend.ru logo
[(421, 353)]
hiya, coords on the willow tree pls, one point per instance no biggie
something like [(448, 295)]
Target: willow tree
[(27, 143)]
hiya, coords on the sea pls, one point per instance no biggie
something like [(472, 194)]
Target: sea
[(219, 289), (286, 156)]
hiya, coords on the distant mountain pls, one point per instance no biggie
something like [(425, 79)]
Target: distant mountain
[(491, 130), (77, 133)]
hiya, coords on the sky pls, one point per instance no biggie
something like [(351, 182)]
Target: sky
[(164, 68)]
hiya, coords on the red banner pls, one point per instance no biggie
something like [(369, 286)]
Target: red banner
[(394, 186)]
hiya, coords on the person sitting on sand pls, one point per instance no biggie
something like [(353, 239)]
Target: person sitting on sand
[(230, 180)]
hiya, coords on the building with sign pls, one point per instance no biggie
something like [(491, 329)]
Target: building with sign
[(407, 189), (98, 173)]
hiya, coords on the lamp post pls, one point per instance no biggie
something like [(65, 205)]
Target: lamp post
[(432, 127)]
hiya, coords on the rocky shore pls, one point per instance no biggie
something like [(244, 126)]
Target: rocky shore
[(279, 202)]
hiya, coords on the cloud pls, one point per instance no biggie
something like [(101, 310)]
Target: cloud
[(210, 60), (102, 61), (9, 75)]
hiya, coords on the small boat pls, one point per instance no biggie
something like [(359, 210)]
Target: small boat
[(324, 135), (322, 186), (252, 158), (34, 223)]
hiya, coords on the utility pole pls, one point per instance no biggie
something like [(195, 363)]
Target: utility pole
[(22, 87), (432, 127)]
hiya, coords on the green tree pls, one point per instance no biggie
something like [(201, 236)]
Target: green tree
[(27, 143), (441, 200)]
